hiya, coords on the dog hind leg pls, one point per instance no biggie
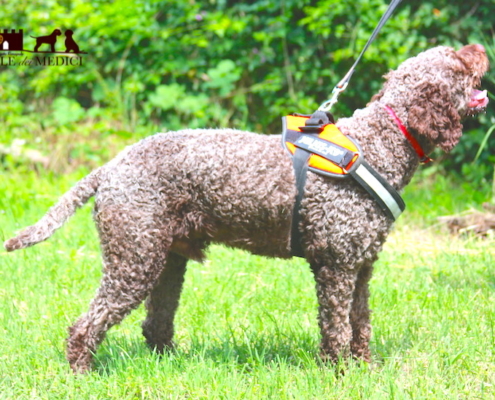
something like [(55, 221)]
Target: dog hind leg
[(133, 261), (115, 299), (162, 303)]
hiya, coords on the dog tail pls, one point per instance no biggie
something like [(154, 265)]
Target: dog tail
[(58, 214)]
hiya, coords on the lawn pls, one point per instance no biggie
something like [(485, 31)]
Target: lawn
[(246, 327)]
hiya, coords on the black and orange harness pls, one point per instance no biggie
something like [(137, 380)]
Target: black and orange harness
[(316, 144)]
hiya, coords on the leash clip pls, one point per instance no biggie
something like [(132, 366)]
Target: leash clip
[(327, 105)]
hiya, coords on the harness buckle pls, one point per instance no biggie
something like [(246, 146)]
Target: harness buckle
[(312, 128), (317, 122)]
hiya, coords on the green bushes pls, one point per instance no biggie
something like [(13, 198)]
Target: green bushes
[(163, 65)]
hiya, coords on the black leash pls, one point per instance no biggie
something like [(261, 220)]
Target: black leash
[(314, 125), (342, 85)]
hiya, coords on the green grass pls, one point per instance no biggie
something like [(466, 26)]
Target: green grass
[(246, 327)]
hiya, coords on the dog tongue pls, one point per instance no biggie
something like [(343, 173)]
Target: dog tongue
[(478, 99)]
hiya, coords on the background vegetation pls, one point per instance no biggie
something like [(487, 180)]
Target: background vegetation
[(163, 65)]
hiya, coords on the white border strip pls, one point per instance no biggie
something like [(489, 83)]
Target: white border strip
[(379, 189)]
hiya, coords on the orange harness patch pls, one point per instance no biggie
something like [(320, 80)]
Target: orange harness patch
[(332, 153)]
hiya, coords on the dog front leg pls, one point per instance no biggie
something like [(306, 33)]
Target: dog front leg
[(360, 316), (335, 287)]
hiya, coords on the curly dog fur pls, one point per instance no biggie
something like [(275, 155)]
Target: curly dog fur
[(164, 199)]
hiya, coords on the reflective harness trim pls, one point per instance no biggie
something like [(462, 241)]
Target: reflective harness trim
[(390, 201), (343, 158)]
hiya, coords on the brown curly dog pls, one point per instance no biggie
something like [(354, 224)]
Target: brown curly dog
[(164, 199)]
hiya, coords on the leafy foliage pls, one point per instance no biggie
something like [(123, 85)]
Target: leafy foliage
[(163, 65)]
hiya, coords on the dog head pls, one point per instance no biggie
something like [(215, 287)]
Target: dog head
[(69, 33), (56, 32), (435, 90)]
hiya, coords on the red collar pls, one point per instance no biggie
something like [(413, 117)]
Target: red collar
[(423, 158)]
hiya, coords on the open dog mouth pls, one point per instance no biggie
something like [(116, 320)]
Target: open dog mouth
[(478, 102)]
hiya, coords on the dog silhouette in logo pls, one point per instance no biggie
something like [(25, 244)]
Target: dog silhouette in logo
[(51, 39), (70, 43)]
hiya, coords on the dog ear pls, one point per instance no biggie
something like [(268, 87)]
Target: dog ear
[(434, 116)]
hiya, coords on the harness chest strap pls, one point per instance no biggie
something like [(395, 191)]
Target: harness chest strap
[(300, 164), (387, 197), (343, 158)]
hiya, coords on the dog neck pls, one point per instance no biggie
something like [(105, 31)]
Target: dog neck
[(384, 146)]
